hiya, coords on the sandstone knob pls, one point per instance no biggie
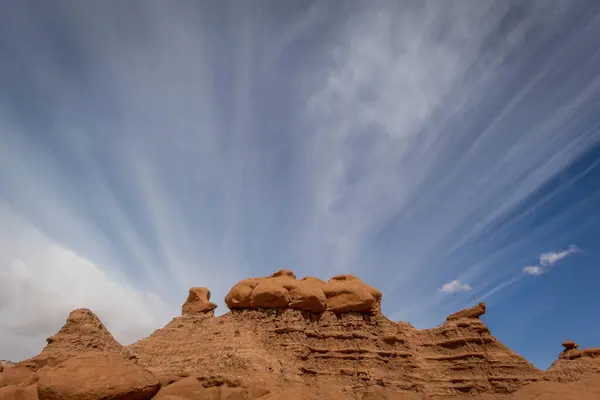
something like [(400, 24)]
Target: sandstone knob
[(347, 293), (342, 293), (198, 302), (474, 312), (570, 345)]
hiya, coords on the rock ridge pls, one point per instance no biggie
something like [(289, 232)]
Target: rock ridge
[(289, 338)]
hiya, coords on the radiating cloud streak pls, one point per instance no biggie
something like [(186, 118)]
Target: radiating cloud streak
[(535, 270), (163, 146), (547, 260), (551, 258)]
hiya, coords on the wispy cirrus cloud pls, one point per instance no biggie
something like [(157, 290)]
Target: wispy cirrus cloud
[(551, 258), (547, 260)]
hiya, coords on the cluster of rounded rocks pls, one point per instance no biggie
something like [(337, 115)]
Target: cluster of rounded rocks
[(342, 293)]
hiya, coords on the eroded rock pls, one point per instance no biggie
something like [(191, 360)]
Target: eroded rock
[(82, 332), (347, 293), (18, 392), (570, 345), (198, 302), (97, 376), (343, 293)]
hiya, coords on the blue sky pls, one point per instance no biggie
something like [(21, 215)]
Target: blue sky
[(434, 149)]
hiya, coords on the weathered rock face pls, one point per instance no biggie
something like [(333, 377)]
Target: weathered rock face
[(347, 293), (97, 376), (211, 387), (5, 363), (294, 339), (18, 392), (198, 302), (338, 351), (342, 293), (573, 365)]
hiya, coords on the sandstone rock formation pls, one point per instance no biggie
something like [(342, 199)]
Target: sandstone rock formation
[(17, 392), (6, 363), (294, 339), (342, 293), (82, 332), (474, 312), (198, 302), (570, 345), (97, 375)]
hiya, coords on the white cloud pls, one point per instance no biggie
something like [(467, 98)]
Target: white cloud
[(547, 260), (41, 281), (455, 286), (551, 258), (535, 270)]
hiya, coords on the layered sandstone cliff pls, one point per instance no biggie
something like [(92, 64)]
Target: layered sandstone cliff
[(295, 339)]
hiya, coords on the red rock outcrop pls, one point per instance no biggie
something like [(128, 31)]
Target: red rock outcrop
[(347, 293), (342, 293), (296, 339), (18, 392), (198, 302), (570, 345), (473, 312), (97, 376), (82, 332)]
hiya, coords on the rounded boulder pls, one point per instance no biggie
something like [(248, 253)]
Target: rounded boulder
[(97, 376)]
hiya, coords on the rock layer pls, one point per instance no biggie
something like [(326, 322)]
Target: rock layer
[(294, 339), (198, 302)]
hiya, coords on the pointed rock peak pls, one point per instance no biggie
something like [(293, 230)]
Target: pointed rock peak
[(474, 312), (81, 322), (82, 332), (198, 302)]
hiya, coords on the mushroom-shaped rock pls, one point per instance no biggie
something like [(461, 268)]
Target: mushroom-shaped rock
[(474, 312), (198, 302), (239, 296), (96, 376), (347, 293), (569, 345)]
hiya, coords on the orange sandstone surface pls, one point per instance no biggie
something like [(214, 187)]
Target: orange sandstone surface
[(289, 338)]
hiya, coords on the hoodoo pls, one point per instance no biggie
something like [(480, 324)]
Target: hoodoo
[(342, 293), (295, 339), (198, 302)]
